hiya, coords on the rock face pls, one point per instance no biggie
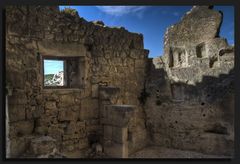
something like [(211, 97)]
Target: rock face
[(57, 80), (115, 98), (191, 106)]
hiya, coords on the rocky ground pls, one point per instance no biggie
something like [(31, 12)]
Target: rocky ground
[(161, 152)]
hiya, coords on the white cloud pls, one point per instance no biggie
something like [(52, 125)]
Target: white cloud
[(121, 10)]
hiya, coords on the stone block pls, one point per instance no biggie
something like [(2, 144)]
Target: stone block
[(71, 128), (89, 109), (95, 91), (108, 132), (42, 145), (51, 112), (17, 147), (66, 100), (118, 115), (119, 135), (17, 99), (41, 130), (93, 129), (134, 53), (116, 150), (67, 115), (106, 92), (140, 63), (70, 137), (83, 143), (16, 78), (23, 127), (50, 105), (16, 112), (55, 132)]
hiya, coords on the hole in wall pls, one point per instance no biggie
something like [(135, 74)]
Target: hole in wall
[(158, 102), (93, 138), (217, 129), (200, 50), (19, 134), (129, 136)]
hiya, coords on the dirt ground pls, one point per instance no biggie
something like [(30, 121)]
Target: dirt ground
[(161, 152)]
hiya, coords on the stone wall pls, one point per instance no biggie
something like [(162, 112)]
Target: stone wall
[(111, 57), (191, 103)]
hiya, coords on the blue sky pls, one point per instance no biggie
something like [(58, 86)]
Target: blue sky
[(151, 21), (52, 66)]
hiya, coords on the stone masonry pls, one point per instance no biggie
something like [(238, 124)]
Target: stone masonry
[(191, 102), (117, 99)]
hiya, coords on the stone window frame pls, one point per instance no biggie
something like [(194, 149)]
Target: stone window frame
[(65, 67)]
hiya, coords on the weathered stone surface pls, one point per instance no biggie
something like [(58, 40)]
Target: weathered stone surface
[(118, 115), (67, 115), (22, 128), (50, 105), (89, 109), (120, 135), (116, 150), (42, 145), (18, 147), (16, 112)]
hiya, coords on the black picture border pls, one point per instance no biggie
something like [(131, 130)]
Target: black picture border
[(235, 3)]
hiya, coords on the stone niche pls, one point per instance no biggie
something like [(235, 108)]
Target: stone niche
[(177, 57), (201, 50)]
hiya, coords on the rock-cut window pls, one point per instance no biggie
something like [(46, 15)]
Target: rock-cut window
[(54, 73), (63, 72)]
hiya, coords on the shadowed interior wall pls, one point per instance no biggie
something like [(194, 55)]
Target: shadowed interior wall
[(185, 109)]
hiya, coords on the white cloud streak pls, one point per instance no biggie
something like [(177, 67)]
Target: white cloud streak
[(121, 10)]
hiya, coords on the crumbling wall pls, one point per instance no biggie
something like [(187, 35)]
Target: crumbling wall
[(112, 57), (185, 108)]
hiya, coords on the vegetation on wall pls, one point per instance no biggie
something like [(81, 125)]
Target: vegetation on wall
[(70, 11)]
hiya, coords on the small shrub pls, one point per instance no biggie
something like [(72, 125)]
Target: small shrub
[(70, 11)]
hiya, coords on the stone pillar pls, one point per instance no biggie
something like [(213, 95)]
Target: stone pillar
[(105, 95), (115, 122)]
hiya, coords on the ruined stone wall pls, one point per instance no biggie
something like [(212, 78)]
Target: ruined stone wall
[(191, 102), (111, 56)]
